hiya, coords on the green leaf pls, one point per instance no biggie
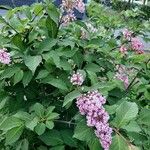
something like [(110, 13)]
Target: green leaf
[(93, 77), (58, 148), (42, 74), (83, 132), (32, 62), (40, 128), (10, 123), (94, 144), (125, 113), (67, 136), (53, 13), (13, 134), (49, 110), (9, 72), (118, 143), (18, 76), (132, 127), (17, 41), (58, 83), (3, 102), (52, 27), (144, 117), (27, 78), (52, 138), (70, 97), (46, 45), (39, 109), (53, 116), (50, 124), (92, 67), (32, 123)]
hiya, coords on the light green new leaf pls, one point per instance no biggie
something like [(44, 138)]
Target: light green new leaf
[(125, 113), (50, 124), (13, 134), (32, 62), (39, 109), (40, 128), (71, 96), (53, 116)]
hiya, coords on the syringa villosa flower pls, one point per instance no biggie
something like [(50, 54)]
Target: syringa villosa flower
[(4, 56)]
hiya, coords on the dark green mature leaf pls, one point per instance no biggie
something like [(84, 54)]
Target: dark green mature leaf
[(18, 76), (118, 143), (125, 113), (9, 72), (83, 132), (53, 13), (144, 117), (94, 144), (13, 134), (46, 45), (52, 27), (32, 62), (58, 83), (10, 122), (27, 78), (17, 41), (58, 148), (52, 138), (70, 97), (68, 139)]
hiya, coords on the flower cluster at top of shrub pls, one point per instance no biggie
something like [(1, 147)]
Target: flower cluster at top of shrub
[(68, 7), (134, 43), (91, 105)]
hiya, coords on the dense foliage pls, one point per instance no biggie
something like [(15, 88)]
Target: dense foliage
[(62, 83)]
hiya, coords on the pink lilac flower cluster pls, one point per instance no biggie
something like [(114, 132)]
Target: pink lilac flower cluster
[(68, 7), (91, 105), (4, 56), (127, 34), (77, 79), (135, 45), (121, 75)]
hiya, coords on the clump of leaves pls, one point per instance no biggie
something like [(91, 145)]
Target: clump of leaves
[(37, 99)]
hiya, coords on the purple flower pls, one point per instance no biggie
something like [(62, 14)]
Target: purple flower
[(90, 104), (4, 56), (137, 45), (77, 79), (127, 34)]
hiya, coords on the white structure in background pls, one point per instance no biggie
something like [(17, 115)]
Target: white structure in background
[(141, 2)]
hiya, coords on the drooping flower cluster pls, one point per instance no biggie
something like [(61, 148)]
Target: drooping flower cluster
[(68, 7), (134, 43), (121, 75), (4, 56), (77, 79), (91, 105)]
